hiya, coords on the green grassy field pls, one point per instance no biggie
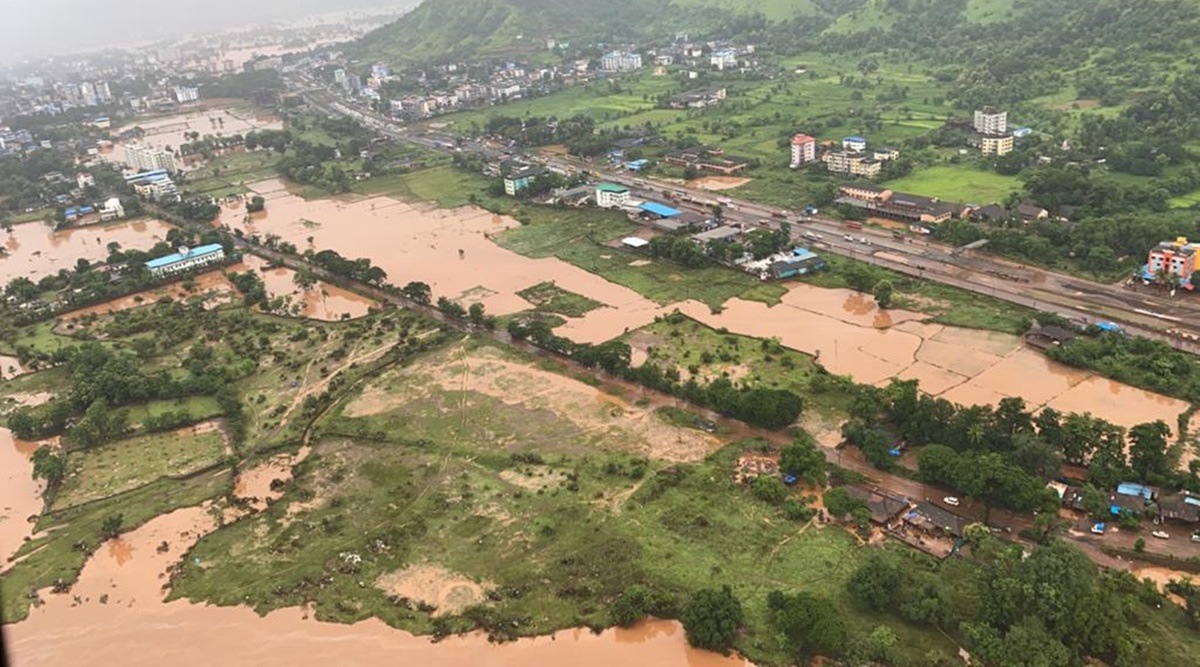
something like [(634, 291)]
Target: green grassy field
[(550, 298), (119, 466), (1185, 201), (957, 184), (447, 186), (229, 174)]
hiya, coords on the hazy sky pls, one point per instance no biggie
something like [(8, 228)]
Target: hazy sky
[(47, 27)]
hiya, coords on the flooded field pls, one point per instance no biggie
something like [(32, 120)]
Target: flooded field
[(20, 495), (35, 250), (449, 249), (849, 335), (165, 131)]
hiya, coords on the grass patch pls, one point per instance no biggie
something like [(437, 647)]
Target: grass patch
[(447, 186), (957, 184), (579, 237), (54, 555), (119, 466), (548, 297)]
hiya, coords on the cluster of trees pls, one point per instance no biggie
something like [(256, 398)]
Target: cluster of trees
[(360, 269), (1011, 608), (578, 133), (758, 406), (1004, 455), (1141, 362)]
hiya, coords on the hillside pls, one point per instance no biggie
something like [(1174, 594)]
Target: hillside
[(439, 29)]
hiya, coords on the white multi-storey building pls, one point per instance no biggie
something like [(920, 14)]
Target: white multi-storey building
[(804, 150), (140, 158), (990, 121)]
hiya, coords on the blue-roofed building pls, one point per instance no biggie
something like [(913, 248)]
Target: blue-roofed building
[(186, 259), (1021, 132), (659, 210), (637, 165), (71, 214), (1134, 489), (854, 144), (801, 262)]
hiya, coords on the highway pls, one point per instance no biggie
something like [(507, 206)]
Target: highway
[(1143, 311)]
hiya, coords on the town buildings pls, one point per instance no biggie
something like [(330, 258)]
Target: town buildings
[(854, 144), (112, 210), (804, 150), (707, 159), (154, 185), (518, 176), (880, 202), (723, 59), (186, 259), (185, 94), (621, 61), (1172, 259), (611, 195), (140, 157), (853, 163)]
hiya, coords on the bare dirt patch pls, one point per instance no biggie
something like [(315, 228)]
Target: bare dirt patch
[(718, 182), (434, 585), (541, 478)]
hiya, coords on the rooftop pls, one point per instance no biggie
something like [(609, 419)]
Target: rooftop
[(185, 253), (611, 187), (659, 209)]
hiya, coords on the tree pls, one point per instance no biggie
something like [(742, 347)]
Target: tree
[(256, 204), (476, 314), (418, 291), (875, 583), (810, 623), (804, 460), (304, 279), (1149, 454), (883, 293), (48, 466), (451, 308), (111, 526), (712, 618), (769, 488)]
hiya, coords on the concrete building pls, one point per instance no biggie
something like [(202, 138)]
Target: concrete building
[(700, 98), (185, 260), (519, 176), (140, 158), (991, 121), (112, 210), (155, 185), (621, 61), (185, 94), (856, 164), (84, 179), (723, 59), (804, 150), (339, 77), (611, 195), (1173, 258), (855, 144), (380, 71), (996, 144)]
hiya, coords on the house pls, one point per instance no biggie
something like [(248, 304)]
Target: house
[(1182, 506), (726, 234), (154, 185), (576, 196), (854, 144), (700, 98), (723, 59), (611, 195), (896, 205), (804, 150), (656, 210), (1135, 490), (853, 163), (933, 520), (518, 176), (1030, 212), (186, 259), (620, 61), (990, 121), (112, 210), (1175, 259), (802, 261), (710, 159), (1044, 338), (84, 179), (885, 507), (994, 212), (996, 144), (885, 154)]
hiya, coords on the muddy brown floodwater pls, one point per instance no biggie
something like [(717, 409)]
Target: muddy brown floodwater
[(20, 495), (169, 130), (35, 250)]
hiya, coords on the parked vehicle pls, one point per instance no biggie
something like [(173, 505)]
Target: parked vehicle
[(1162, 535), (951, 501), (1196, 536), (1098, 529), (848, 237), (854, 225)]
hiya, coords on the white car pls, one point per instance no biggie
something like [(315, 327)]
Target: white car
[(951, 501), (848, 238), (1160, 535)]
